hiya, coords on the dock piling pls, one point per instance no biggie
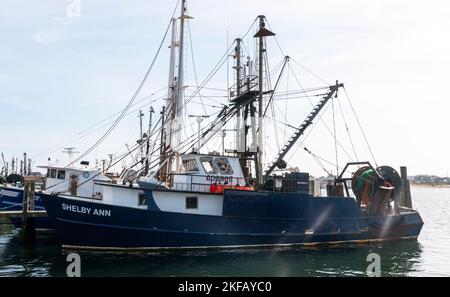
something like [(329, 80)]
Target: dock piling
[(405, 199), (28, 232)]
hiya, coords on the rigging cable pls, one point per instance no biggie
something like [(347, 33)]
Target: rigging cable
[(80, 135), (335, 136), (270, 103), (320, 117), (310, 72), (282, 52), (116, 122), (286, 102), (215, 69), (316, 158), (309, 132), (346, 128), (360, 127)]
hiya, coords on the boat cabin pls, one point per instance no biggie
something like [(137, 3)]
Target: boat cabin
[(73, 181), (210, 173)]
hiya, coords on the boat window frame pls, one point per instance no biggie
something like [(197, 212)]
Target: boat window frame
[(63, 174), (142, 199), (209, 160), (230, 170), (195, 167), (191, 199), (53, 173)]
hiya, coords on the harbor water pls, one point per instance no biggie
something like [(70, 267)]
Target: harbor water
[(428, 256)]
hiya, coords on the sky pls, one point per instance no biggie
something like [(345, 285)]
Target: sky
[(66, 65)]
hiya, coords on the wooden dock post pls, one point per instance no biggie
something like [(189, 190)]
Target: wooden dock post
[(28, 232), (405, 200)]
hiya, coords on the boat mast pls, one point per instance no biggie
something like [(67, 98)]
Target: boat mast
[(168, 113), (179, 111), (172, 85), (239, 141), (263, 32)]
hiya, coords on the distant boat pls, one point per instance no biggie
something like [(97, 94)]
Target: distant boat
[(216, 200), (57, 180)]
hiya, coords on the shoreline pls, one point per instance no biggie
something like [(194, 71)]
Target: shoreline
[(429, 186)]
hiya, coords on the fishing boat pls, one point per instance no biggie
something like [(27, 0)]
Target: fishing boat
[(58, 179), (189, 198)]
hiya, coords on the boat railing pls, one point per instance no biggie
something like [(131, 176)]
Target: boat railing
[(220, 183), (246, 84), (210, 183)]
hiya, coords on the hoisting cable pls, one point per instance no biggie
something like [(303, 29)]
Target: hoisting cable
[(116, 122), (360, 127), (84, 133), (286, 102), (269, 86), (307, 134), (214, 71), (348, 131), (320, 117), (310, 72), (335, 135), (316, 158), (282, 52), (207, 79), (286, 60), (193, 64)]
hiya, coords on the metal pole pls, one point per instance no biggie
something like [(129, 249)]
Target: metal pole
[(260, 104), (224, 133), (148, 140), (199, 122), (141, 114), (179, 111), (263, 32), (162, 170), (24, 163), (238, 92)]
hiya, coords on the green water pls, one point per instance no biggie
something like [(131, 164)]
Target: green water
[(428, 256)]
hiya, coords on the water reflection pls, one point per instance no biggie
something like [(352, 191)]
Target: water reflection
[(428, 257), (47, 258)]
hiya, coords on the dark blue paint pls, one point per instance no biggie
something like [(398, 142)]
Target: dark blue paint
[(286, 205), (144, 228), (15, 203)]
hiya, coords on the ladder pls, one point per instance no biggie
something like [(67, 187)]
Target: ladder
[(301, 129)]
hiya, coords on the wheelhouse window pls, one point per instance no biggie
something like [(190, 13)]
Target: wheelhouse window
[(190, 165), (61, 174), (208, 165), (52, 173), (142, 200), (191, 202), (224, 166)]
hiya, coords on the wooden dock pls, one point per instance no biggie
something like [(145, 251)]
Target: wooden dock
[(28, 213), (19, 214)]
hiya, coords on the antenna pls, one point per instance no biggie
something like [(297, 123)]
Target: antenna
[(199, 120), (223, 134), (70, 151), (110, 160)]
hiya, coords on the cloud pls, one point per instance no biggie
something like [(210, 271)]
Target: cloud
[(66, 21), (45, 37)]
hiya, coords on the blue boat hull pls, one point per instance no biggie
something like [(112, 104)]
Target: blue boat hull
[(12, 199), (85, 224)]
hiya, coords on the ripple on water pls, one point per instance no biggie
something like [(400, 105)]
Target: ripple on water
[(427, 257)]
